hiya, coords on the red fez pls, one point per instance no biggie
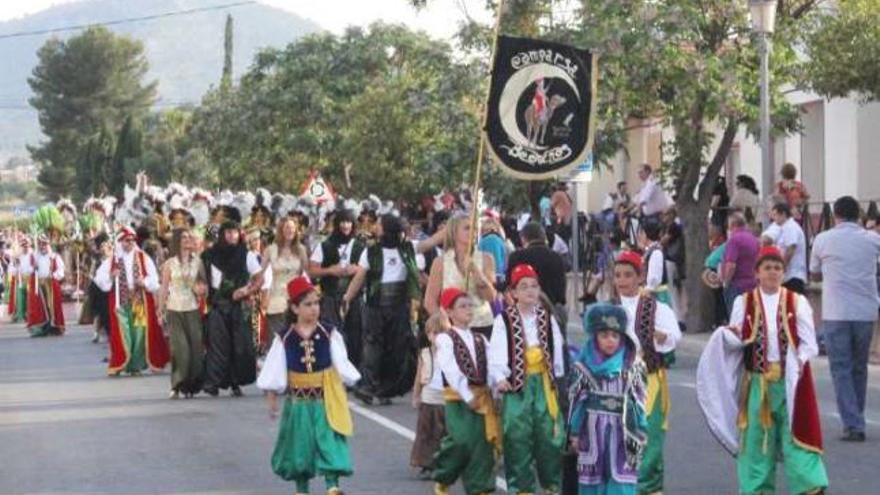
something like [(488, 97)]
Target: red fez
[(630, 258), (520, 272), (769, 253), (449, 296), (299, 287)]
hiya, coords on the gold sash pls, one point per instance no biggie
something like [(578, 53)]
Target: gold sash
[(335, 400), (486, 408), (657, 382), (535, 365)]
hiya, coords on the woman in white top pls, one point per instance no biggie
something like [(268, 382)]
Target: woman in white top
[(284, 260), (454, 268), (183, 283)]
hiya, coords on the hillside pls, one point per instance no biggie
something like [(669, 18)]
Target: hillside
[(185, 51)]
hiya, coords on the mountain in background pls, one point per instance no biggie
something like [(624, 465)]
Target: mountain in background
[(185, 51)]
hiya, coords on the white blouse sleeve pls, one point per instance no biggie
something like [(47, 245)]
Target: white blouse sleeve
[(273, 375), (666, 322), (253, 263), (446, 362), (151, 280), (806, 330), (655, 270), (558, 349), (499, 368), (339, 357), (102, 276), (58, 274)]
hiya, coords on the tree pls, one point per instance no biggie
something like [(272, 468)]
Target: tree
[(129, 149), (836, 69), (381, 110), (96, 165), (226, 79), (80, 85), (690, 64)]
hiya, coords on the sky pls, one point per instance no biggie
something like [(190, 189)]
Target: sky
[(440, 18)]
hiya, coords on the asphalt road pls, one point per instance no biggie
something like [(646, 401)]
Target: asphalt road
[(66, 428)]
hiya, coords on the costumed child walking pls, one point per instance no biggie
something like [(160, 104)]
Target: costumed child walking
[(309, 363), (756, 389), (431, 425), (473, 436), (525, 356), (652, 325), (607, 415)]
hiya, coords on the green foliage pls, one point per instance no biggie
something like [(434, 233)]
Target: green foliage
[(82, 85), (47, 219), (844, 51), (383, 110), (129, 149), (226, 79)]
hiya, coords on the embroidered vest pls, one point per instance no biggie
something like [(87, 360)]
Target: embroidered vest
[(309, 355), (377, 266), (644, 330), (754, 328), (475, 372), (516, 342)]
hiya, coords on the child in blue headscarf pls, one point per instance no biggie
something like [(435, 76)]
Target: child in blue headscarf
[(607, 417)]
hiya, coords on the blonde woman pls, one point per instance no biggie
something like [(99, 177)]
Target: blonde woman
[(183, 283), (455, 267), (283, 261)]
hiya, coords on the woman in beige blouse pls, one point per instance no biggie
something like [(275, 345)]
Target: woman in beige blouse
[(283, 261), (183, 283), (450, 270)]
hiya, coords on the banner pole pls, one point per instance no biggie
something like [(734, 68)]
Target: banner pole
[(475, 196)]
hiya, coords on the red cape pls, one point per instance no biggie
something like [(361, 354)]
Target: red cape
[(38, 311), (156, 347)]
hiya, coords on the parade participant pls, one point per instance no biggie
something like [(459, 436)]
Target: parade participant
[(652, 325), (454, 268), (607, 415), (183, 283), (230, 360), (283, 261), (44, 271), (392, 284), (256, 314), (261, 220), (655, 274), (473, 436), (97, 313), (308, 362), (334, 263), (525, 356), (431, 423), (17, 302), (755, 385), (135, 335)]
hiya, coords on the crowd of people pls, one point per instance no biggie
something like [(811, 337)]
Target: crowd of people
[(314, 300)]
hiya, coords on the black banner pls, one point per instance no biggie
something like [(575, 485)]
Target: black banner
[(540, 108)]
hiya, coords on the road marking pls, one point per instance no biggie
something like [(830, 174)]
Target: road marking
[(405, 432)]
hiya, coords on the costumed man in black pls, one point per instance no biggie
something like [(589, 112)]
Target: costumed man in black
[(230, 361), (392, 279), (334, 262)]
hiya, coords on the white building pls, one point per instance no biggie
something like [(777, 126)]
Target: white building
[(836, 154)]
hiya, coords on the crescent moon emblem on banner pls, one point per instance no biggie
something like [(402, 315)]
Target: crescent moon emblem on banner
[(515, 87)]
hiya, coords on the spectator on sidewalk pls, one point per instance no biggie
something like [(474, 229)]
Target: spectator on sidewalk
[(549, 265), (652, 199), (845, 260), (792, 190), (740, 256), (787, 235)]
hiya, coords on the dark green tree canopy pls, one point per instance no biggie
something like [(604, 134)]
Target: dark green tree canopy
[(81, 85)]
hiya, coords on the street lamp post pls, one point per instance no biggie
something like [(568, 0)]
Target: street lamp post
[(763, 16)]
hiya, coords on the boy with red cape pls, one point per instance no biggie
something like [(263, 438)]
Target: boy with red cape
[(135, 336), (755, 385), (44, 271)]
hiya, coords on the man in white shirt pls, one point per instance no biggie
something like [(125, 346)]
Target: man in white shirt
[(652, 199), (788, 236)]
